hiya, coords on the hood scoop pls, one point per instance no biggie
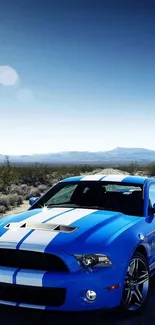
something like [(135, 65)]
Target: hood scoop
[(41, 226)]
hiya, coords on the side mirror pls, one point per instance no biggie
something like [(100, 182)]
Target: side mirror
[(152, 209), (32, 200)]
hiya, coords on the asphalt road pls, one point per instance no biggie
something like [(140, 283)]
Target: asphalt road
[(22, 316)]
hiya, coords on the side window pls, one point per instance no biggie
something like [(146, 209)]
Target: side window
[(151, 195)]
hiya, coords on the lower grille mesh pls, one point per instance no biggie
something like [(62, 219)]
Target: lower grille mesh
[(32, 295)]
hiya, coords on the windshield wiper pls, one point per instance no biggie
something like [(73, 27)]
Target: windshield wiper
[(60, 204), (79, 206)]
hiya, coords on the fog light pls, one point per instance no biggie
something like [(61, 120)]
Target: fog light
[(91, 295)]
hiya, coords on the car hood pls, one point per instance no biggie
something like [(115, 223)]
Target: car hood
[(71, 230)]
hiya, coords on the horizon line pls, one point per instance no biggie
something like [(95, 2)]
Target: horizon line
[(75, 151)]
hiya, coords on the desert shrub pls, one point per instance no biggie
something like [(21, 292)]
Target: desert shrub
[(10, 200), (150, 169), (131, 168), (15, 199), (14, 189), (4, 201), (25, 191), (8, 176), (19, 200), (53, 182), (34, 174), (33, 192), (42, 188), (21, 189), (2, 209)]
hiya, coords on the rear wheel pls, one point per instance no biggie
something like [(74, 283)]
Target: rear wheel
[(137, 284)]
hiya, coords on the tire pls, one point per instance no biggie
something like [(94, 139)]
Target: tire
[(137, 285)]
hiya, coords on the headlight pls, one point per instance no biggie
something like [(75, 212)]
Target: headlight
[(98, 260)]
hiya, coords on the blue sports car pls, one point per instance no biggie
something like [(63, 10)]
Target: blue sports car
[(87, 244)]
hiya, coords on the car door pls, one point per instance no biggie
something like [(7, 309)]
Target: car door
[(151, 235)]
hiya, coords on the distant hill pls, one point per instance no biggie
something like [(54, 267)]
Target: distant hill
[(117, 155)]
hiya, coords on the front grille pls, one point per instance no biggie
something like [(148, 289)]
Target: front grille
[(32, 295), (31, 260)]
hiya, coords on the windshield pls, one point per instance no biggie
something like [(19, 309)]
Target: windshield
[(99, 195)]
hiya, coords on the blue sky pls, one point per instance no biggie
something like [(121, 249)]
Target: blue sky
[(76, 75)]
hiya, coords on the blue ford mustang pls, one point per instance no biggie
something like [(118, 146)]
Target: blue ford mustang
[(88, 243)]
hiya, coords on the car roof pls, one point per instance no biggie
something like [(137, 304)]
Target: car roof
[(110, 178)]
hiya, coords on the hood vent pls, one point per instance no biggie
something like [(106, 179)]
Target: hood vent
[(41, 226)]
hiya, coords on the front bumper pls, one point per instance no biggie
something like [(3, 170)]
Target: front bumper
[(75, 284)]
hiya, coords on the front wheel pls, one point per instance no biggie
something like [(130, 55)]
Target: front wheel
[(137, 284)]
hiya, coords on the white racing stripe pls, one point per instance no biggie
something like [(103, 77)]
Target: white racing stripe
[(39, 239), (30, 278), (91, 178), (45, 214), (113, 178), (13, 236), (6, 275)]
